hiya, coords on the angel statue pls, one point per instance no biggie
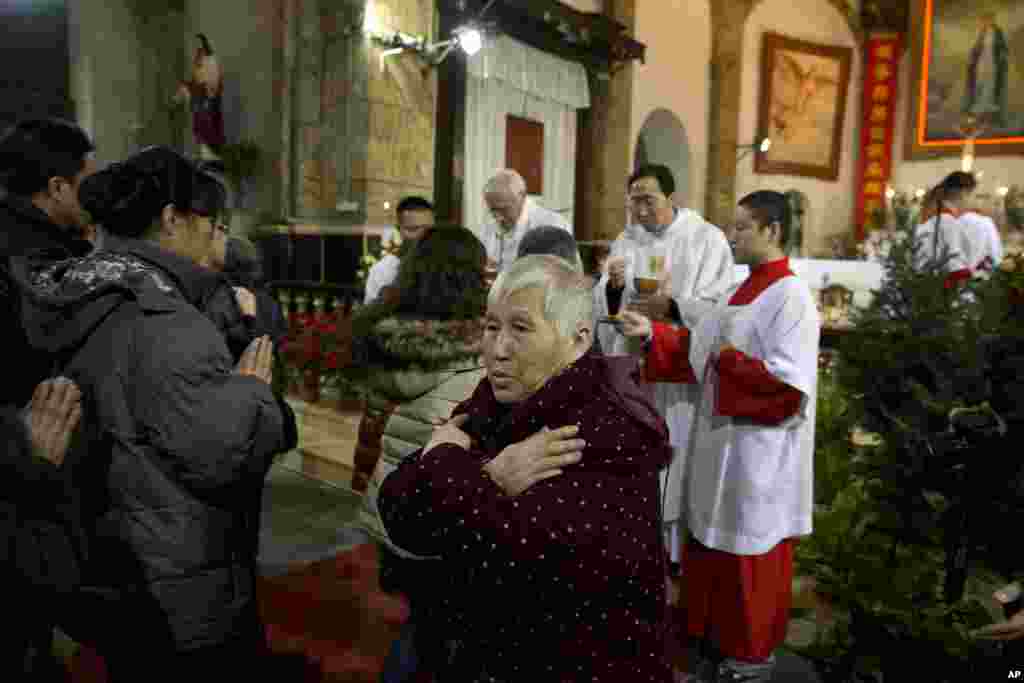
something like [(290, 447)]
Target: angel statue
[(204, 93), (794, 93)]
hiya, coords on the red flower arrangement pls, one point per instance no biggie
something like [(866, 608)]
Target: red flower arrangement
[(311, 344)]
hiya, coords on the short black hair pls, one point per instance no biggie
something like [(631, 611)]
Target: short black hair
[(660, 172), (958, 183), (34, 150), (547, 239), (127, 197), (767, 207), (413, 203)]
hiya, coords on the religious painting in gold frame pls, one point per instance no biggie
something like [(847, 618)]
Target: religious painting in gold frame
[(802, 107), (967, 78)]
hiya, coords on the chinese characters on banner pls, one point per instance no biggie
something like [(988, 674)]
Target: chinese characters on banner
[(879, 110)]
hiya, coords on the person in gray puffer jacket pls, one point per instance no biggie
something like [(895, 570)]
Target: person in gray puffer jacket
[(176, 438)]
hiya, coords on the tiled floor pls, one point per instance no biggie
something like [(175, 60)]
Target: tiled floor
[(305, 520)]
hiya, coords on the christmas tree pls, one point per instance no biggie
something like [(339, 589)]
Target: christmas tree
[(910, 527)]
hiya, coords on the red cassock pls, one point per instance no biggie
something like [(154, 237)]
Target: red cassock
[(564, 582)]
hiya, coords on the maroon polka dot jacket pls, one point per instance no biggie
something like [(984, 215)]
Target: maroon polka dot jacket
[(564, 582)]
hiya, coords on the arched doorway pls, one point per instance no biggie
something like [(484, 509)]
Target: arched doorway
[(662, 140)]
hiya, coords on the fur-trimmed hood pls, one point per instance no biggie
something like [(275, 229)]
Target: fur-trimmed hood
[(404, 358)]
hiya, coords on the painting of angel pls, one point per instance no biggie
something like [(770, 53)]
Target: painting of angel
[(803, 103)]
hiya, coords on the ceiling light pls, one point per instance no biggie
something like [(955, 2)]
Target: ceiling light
[(470, 40)]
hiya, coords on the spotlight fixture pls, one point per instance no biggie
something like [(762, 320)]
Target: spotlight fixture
[(468, 38), (762, 147)]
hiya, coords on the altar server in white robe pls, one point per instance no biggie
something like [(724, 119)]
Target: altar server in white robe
[(750, 473), (984, 241), (696, 264), (942, 234), (415, 215), (513, 214)]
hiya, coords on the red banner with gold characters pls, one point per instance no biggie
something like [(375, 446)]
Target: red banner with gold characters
[(881, 69)]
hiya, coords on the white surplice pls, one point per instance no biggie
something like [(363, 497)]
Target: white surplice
[(382, 274), (699, 267), (985, 240), (502, 247), (750, 486), (945, 234)]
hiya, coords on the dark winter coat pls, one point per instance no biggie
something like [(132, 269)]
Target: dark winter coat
[(24, 229), (270, 319), (564, 582), (216, 298), (40, 552), (175, 445)]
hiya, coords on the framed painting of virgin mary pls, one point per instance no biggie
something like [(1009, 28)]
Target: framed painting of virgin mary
[(967, 66)]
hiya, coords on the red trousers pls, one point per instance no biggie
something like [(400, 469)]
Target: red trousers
[(740, 603)]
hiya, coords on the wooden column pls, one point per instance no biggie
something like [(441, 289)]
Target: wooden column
[(605, 144), (449, 141), (727, 20)]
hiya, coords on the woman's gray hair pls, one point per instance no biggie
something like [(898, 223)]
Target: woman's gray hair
[(506, 181), (568, 298)]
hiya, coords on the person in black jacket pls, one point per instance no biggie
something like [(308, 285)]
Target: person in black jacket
[(42, 164), (39, 534), (177, 438), (243, 267), (238, 264)]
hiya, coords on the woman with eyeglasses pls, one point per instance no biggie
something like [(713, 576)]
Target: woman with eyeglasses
[(177, 437)]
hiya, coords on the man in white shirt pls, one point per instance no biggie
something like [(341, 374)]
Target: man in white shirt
[(985, 243), (513, 214), (415, 215), (697, 264), (750, 482)]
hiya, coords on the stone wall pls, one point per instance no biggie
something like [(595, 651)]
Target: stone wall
[(363, 127), (126, 60)]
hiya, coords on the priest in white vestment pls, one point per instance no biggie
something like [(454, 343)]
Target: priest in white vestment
[(692, 260), (750, 471), (513, 214)]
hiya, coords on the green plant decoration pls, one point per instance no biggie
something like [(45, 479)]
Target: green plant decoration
[(909, 539)]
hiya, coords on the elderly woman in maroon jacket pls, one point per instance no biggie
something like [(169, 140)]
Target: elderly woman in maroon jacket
[(542, 496)]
